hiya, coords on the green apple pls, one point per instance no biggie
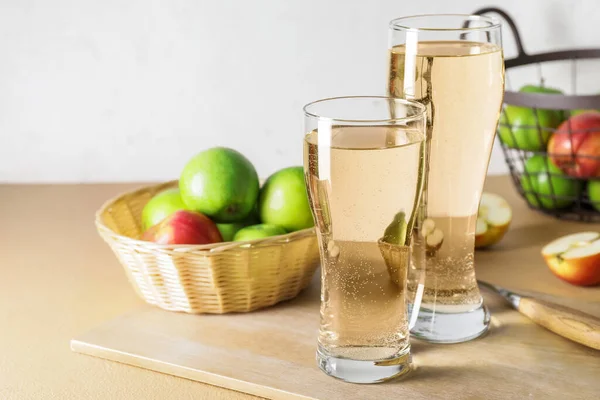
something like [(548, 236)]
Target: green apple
[(259, 231), (220, 183), (229, 229), (283, 200), (593, 190), (539, 89), (581, 111), (546, 186), (160, 207), (518, 125)]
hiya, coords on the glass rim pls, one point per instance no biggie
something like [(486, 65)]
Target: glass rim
[(494, 23), (422, 110)]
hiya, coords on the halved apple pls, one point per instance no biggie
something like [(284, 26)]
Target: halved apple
[(575, 258), (493, 220), (434, 237)]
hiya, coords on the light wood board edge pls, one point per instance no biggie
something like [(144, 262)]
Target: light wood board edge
[(82, 347)]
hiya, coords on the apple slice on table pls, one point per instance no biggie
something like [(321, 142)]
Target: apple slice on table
[(493, 220), (575, 258)]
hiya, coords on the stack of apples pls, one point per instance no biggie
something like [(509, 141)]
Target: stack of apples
[(563, 161), (219, 199), (565, 152)]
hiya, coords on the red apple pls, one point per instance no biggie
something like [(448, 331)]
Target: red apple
[(184, 227), (575, 258), (577, 153)]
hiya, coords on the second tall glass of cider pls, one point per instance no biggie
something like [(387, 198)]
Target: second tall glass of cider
[(453, 64)]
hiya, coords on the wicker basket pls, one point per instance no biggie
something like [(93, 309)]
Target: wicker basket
[(217, 278)]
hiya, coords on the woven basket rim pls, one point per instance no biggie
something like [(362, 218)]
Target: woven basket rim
[(213, 247)]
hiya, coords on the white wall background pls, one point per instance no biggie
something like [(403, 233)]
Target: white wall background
[(124, 90)]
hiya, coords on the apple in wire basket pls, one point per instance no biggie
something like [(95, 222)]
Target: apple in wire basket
[(184, 227), (527, 128), (575, 258), (575, 146)]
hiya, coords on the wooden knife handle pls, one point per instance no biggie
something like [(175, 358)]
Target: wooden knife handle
[(564, 321)]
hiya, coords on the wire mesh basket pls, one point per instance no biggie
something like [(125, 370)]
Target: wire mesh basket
[(549, 138)]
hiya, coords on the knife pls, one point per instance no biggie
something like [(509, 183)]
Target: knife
[(564, 321)]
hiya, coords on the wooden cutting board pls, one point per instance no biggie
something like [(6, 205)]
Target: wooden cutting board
[(270, 353)]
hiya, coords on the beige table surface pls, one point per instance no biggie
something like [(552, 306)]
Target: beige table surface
[(58, 279)]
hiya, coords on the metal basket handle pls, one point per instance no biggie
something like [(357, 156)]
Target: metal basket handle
[(511, 23), (543, 100)]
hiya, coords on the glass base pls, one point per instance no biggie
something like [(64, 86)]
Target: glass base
[(445, 326), (362, 371)]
